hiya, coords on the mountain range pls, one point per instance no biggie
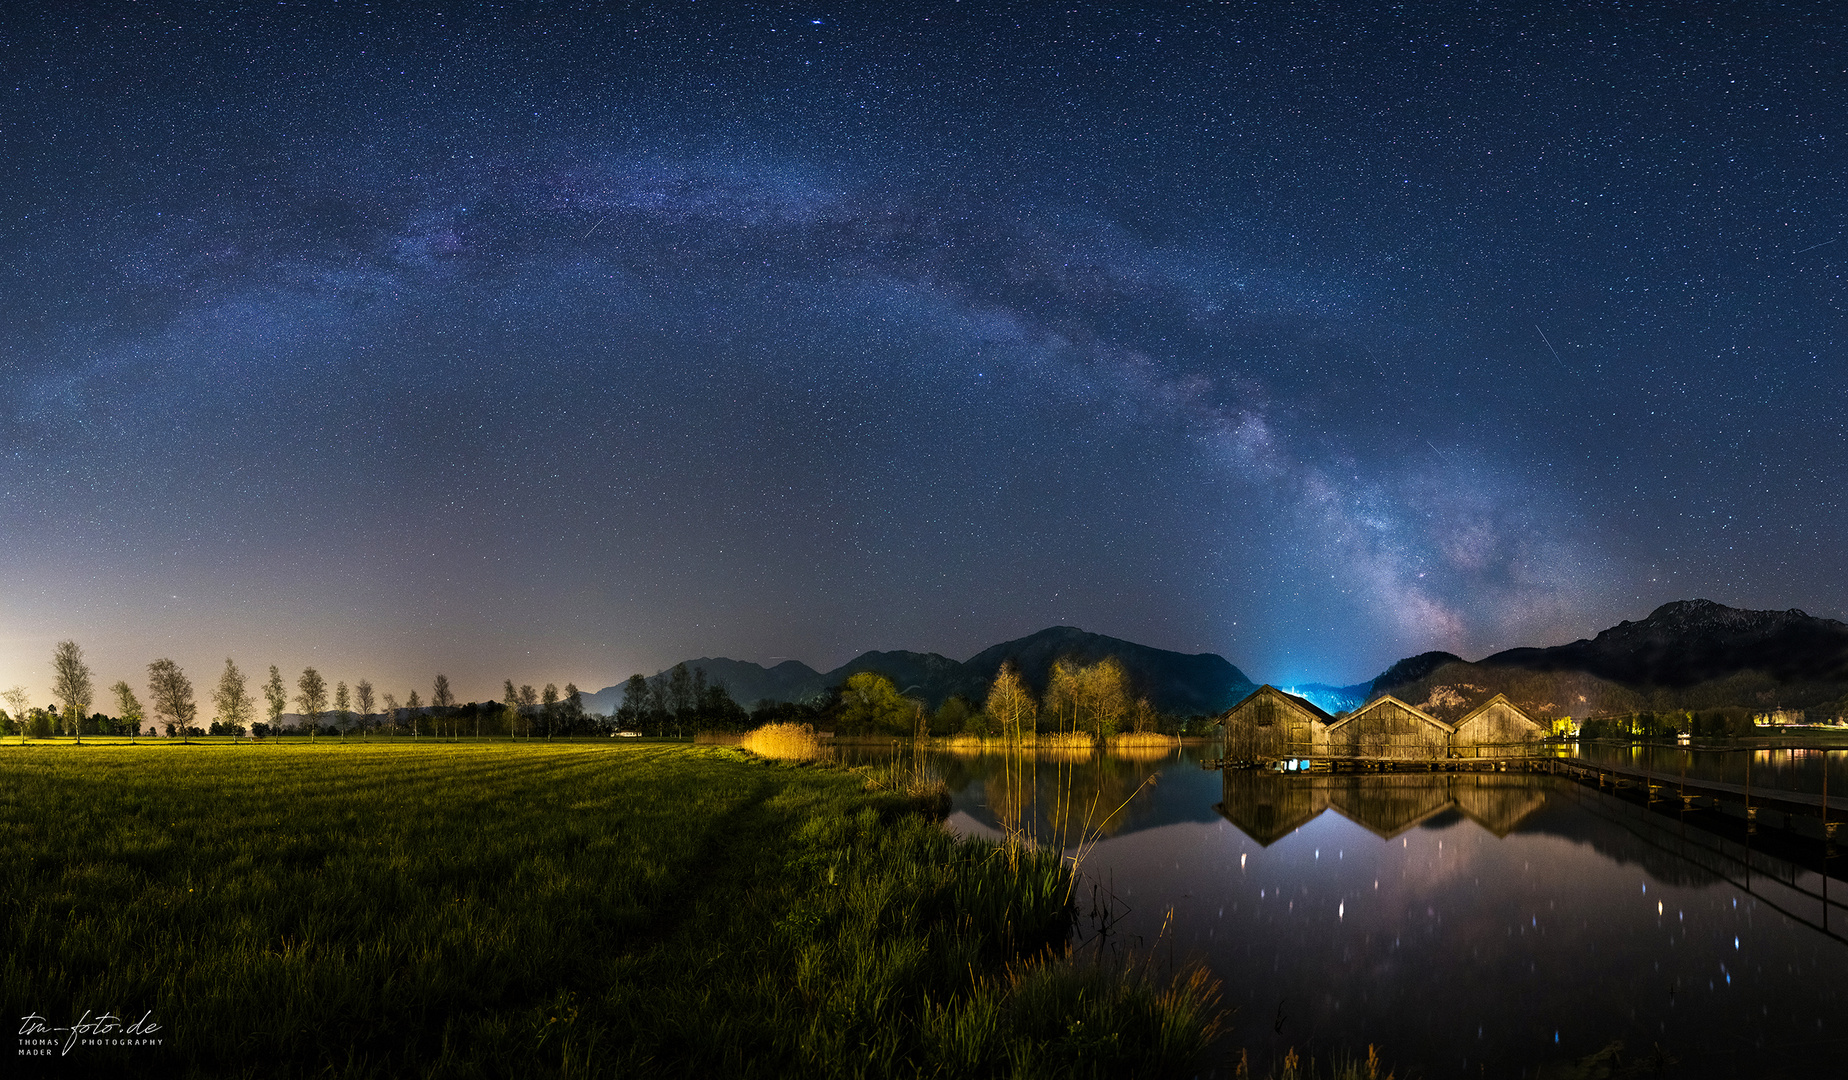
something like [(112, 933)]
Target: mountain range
[(1689, 654)]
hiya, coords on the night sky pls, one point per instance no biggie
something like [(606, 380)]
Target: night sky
[(551, 343)]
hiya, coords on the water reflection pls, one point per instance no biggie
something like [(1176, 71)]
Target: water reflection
[(1469, 924), (1792, 768), (1267, 806)]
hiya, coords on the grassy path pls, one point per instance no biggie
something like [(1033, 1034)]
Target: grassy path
[(497, 910)]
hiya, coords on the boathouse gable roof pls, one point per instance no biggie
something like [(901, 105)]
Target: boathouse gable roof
[(1310, 709), (1500, 708)]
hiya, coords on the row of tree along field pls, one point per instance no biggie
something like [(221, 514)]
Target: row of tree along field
[(172, 709), (1094, 699)]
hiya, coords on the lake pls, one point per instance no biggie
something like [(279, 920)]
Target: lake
[(1467, 924)]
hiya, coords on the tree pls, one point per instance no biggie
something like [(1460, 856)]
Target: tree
[(635, 703), (528, 699), (549, 702), (441, 700), (1011, 704), (21, 701), (312, 700), (391, 709), (680, 695), (511, 702), (71, 683), (870, 703), (952, 717), (277, 695), (1094, 699), (1107, 700), (233, 705), (574, 707), (1064, 693), (362, 695), (171, 694), (660, 706), (412, 708), (343, 707), (128, 706)]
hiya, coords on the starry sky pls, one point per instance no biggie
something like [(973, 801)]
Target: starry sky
[(555, 342)]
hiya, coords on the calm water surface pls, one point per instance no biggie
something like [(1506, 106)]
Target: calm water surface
[(1468, 924)]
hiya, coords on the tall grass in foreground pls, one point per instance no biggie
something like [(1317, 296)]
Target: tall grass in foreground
[(533, 910), (1294, 1066)]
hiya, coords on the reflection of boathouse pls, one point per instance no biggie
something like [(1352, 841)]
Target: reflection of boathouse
[(1268, 806), (1271, 724)]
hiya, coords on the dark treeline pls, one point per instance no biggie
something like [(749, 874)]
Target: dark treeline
[(1096, 699), (678, 703), (322, 708), (1698, 724)]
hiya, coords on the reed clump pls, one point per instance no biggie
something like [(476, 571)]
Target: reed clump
[(925, 789), (1143, 738), (785, 742)]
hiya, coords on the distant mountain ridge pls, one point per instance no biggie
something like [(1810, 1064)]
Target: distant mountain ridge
[(1686, 655), (1178, 683), (1693, 641)]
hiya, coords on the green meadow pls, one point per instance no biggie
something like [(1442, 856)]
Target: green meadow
[(567, 909)]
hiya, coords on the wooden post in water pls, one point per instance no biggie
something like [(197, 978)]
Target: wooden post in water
[(1751, 820)]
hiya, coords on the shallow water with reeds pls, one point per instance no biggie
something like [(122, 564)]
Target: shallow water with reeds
[(1466, 924)]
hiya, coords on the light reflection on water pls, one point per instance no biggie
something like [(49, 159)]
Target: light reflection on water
[(1465, 923)]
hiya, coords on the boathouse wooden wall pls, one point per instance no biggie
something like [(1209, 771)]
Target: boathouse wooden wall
[(1270, 724), (1388, 728), (1495, 728)]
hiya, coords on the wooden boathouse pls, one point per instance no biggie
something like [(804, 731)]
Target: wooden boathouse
[(1272, 725), (1388, 729), (1496, 728)]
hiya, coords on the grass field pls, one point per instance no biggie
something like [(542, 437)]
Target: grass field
[(532, 909)]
